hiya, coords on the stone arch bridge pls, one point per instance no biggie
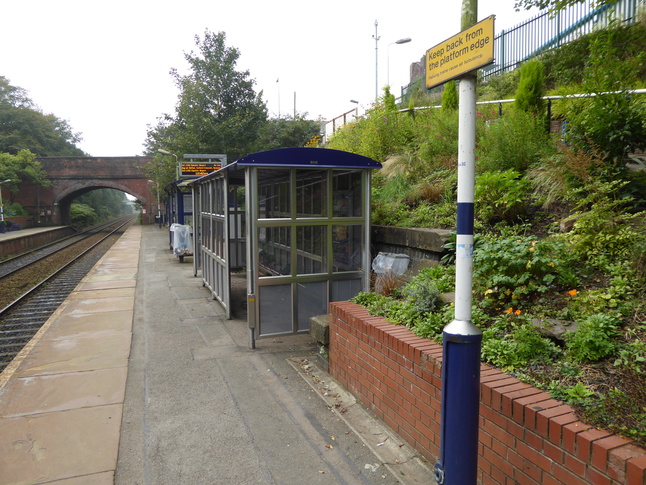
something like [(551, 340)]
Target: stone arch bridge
[(73, 176)]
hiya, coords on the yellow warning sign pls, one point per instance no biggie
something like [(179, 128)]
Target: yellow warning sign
[(469, 50)]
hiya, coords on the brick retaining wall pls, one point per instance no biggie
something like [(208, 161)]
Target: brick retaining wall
[(526, 437)]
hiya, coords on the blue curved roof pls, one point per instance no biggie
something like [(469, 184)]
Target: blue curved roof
[(307, 157)]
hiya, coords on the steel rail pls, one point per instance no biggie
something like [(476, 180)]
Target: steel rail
[(59, 270), (79, 237)]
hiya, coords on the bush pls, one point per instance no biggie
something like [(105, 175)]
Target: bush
[(83, 215), (450, 99), (594, 339), (501, 196), (613, 122), (13, 209), (510, 272), (514, 142), (530, 89), (604, 229), (511, 343), (422, 292)]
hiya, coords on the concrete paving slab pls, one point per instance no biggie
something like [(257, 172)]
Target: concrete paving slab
[(104, 284), (85, 295), (105, 478), (82, 352), (98, 304), (59, 445), (122, 276), (67, 325), (63, 392)]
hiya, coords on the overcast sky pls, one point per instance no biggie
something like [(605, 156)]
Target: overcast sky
[(104, 66)]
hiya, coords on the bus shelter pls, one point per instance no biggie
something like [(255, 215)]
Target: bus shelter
[(297, 220)]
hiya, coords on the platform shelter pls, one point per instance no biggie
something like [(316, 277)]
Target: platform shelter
[(297, 220)]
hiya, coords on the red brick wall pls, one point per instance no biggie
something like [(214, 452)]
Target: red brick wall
[(526, 437)]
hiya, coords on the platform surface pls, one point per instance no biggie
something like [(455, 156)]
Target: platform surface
[(138, 378)]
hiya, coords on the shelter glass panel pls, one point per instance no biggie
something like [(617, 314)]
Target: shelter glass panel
[(343, 290), (219, 238), (311, 193), (274, 193), (346, 247), (347, 193), (312, 300), (274, 250), (219, 197), (311, 249), (275, 308)]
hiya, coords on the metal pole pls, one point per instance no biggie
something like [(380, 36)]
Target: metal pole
[(159, 219), (458, 464), (2, 224), (1, 211), (376, 37)]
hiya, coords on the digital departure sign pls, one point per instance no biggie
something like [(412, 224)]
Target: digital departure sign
[(198, 169)]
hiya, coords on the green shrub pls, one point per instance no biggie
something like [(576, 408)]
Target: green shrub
[(502, 86), (614, 122), (509, 344), (431, 326), (511, 272), (594, 339), (83, 215), (450, 99), (501, 196), (515, 141), (604, 230), (422, 292), (14, 209), (531, 88)]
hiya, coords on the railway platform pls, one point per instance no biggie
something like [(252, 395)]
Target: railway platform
[(138, 378), (23, 239)]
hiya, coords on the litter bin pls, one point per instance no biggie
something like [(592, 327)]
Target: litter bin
[(182, 241), (390, 263)]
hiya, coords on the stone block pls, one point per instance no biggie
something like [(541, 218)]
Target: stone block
[(320, 329)]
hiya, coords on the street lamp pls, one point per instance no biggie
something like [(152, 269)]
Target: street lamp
[(159, 219), (405, 40), (356, 109), (376, 37), (2, 206), (166, 152)]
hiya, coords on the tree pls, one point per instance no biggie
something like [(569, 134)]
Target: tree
[(22, 167), (450, 99), (287, 132), (530, 88), (218, 110), (24, 127), (106, 203), (556, 5)]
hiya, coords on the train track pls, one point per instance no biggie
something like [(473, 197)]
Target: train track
[(24, 258), (21, 319)]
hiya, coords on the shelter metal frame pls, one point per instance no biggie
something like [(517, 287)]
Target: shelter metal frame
[(298, 221)]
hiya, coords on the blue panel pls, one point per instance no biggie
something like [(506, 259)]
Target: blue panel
[(307, 157), (465, 218)]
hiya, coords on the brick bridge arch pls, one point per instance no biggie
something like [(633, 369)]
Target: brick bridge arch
[(73, 176)]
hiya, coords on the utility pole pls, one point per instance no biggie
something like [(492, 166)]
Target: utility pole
[(458, 463), (376, 37)]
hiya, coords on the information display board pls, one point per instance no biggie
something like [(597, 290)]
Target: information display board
[(198, 169)]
